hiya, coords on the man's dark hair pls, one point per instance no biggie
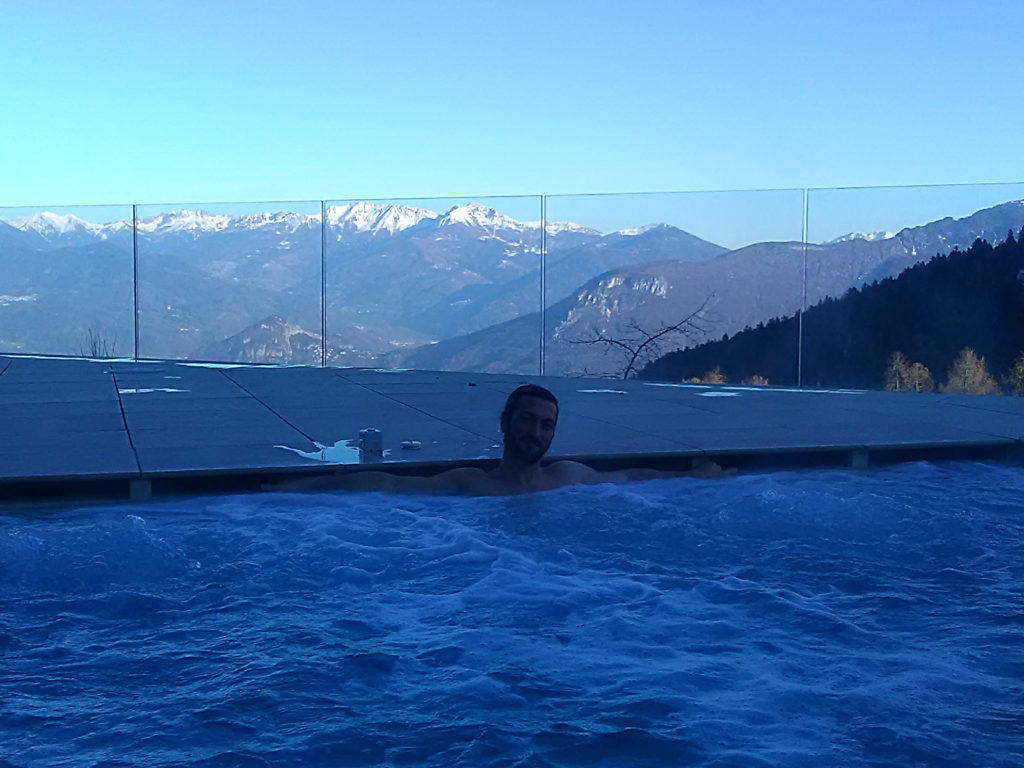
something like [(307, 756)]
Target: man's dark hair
[(526, 390)]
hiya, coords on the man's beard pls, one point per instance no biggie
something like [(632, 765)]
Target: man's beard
[(525, 450)]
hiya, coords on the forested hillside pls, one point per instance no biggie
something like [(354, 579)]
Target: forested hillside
[(873, 336)]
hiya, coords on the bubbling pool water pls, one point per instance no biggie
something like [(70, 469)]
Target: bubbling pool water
[(797, 618)]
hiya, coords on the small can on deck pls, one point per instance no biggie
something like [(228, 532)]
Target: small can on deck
[(371, 445)]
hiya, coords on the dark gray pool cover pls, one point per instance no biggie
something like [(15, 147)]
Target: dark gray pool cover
[(76, 419)]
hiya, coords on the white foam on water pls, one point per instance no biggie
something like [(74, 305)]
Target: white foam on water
[(807, 618)]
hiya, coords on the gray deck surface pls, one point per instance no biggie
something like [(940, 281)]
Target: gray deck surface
[(80, 419)]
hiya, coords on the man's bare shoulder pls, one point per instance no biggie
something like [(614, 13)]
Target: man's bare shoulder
[(570, 472), (459, 480)]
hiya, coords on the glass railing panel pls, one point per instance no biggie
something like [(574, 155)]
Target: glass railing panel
[(67, 284), (684, 269), (440, 283), (883, 312), (230, 282)]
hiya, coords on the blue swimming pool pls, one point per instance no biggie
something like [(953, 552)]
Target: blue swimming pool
[(790, 619)]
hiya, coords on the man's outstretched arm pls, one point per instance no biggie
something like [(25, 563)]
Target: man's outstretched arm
[(574, 472), (701, 468), (458, 480)]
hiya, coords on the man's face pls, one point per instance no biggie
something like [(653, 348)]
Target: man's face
[(530, 429)]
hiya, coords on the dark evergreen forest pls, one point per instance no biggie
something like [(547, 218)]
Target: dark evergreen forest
[(930, 312)]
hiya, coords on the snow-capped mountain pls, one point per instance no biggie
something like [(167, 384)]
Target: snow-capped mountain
[(869, 236), (279, 221), (194, 223), (66, 228), (376, 217), (634, 231), (50, 224), (477, 215), (559, 227), (350, 218)]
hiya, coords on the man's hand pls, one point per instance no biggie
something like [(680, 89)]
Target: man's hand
[(707, 468)]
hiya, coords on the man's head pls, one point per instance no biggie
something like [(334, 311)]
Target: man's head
[(528, 422)]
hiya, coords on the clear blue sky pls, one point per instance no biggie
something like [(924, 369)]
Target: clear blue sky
[(110, 102)]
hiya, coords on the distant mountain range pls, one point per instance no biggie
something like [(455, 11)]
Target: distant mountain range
[(411, 287), (742, 288)]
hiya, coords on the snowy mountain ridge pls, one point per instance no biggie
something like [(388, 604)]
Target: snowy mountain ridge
[(376, 217), (49, 224), (871, 237), (634, 231), (356, 217)]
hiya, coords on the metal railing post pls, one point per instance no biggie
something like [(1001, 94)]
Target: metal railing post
[(543, 281), (323, 283), (803, 302), (135, 275)]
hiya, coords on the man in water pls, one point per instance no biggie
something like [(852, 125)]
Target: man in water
[(528, 423)]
